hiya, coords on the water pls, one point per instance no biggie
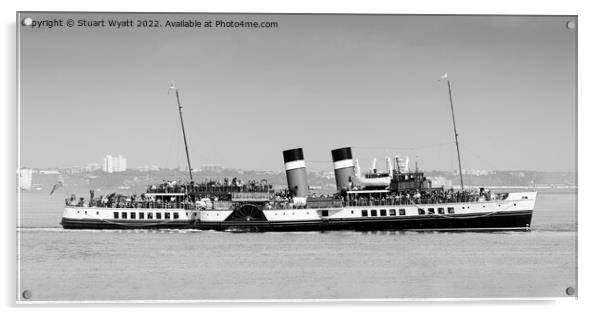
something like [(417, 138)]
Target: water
[(57, 264)]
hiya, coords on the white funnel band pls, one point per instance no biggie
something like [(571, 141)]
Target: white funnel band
[(343, 164), (294, 164)]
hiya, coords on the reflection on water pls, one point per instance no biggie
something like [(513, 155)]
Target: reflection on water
[(57, 264)]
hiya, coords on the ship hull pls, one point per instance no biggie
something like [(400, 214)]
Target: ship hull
[(504, 221), (513, 213), (518, 220), (101, 224)]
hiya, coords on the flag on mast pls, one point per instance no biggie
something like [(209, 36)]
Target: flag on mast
[(444, 77)]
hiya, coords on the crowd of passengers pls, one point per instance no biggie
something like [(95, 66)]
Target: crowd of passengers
[(424, 197), (233, 184), (280, 199), (115, 200)]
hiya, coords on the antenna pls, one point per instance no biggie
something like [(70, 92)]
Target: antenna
[(451, 103), (173, 87)]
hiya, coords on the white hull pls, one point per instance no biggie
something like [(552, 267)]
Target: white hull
[(139, 217)]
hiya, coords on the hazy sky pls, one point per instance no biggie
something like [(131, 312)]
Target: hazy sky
[(317, 81)]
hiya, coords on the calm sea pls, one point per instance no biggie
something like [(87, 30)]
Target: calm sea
[(57, 264)]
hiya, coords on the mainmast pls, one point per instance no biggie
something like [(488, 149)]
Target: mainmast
[(173, 87), (451, 103)]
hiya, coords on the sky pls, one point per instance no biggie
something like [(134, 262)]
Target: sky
[(318, 82)]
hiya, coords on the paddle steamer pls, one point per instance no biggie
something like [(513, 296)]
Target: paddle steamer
[(399, 200)]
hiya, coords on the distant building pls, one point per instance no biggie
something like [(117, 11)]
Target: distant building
[(25, 178), (441, 182), (147, 168), (114, 164), (211, 168), (92, 166), (74, 170), (475, 172), (49, 172), (329, 174)]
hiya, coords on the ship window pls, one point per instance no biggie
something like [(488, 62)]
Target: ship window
[(431, 210), (141, 215), (124, 215), (450, 210), (383, 212), (402, 211), (420, 211), (86, 212), (149, 216), (392, 213), (372, 212), (96, 213), (115, 215), (441, 210), (158, 215), (133, 215), (364, 212), (324, 213), (167, 216), (176, 215), (351, 212)]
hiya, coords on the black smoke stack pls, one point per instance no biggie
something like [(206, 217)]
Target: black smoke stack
[(296, 176), (343, 167)]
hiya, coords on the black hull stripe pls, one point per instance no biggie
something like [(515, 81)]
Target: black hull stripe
[(508, 220)]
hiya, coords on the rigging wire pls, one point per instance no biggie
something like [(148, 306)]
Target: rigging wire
[(171, 140), (405, 148), (480, 158)]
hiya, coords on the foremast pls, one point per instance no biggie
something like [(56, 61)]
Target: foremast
[(173, 87), (451, 103)]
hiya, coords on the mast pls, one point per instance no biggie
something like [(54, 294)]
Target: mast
[(451, 103), (173, 87)]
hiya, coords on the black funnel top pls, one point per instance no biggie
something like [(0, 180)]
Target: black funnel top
[(341, 154), (293, 154)]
